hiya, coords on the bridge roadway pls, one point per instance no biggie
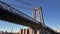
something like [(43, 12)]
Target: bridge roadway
[(13, 15)]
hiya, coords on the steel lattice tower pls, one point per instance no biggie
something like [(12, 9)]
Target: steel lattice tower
[(40, 15)]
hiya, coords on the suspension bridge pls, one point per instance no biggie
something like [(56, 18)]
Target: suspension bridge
[(11, 14)]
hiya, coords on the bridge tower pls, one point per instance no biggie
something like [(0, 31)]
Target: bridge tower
[(40, 15)]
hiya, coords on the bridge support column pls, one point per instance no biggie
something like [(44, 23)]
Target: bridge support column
[(30, 31), (23, 31), (26, 31), (38, 32)]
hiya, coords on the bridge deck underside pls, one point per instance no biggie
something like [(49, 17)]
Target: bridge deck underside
[(14, 18)]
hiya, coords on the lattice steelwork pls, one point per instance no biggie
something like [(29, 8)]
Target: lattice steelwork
[(7, 7), (15, 11)]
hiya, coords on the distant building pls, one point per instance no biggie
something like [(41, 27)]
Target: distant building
[(1, 32), (41, 31), (25, 31)]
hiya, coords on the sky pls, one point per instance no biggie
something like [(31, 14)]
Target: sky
[(50, 10)]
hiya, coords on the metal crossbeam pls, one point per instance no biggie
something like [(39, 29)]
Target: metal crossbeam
[(15, 11), (8, 8)]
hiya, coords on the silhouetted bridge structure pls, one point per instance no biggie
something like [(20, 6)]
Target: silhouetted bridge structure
[(13, 15)]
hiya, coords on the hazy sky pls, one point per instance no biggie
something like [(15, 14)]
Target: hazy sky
[(50, 8)]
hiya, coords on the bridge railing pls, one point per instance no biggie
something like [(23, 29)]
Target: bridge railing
[(15, 11)]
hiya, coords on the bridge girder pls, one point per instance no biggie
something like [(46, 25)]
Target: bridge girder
[(14, 18)]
